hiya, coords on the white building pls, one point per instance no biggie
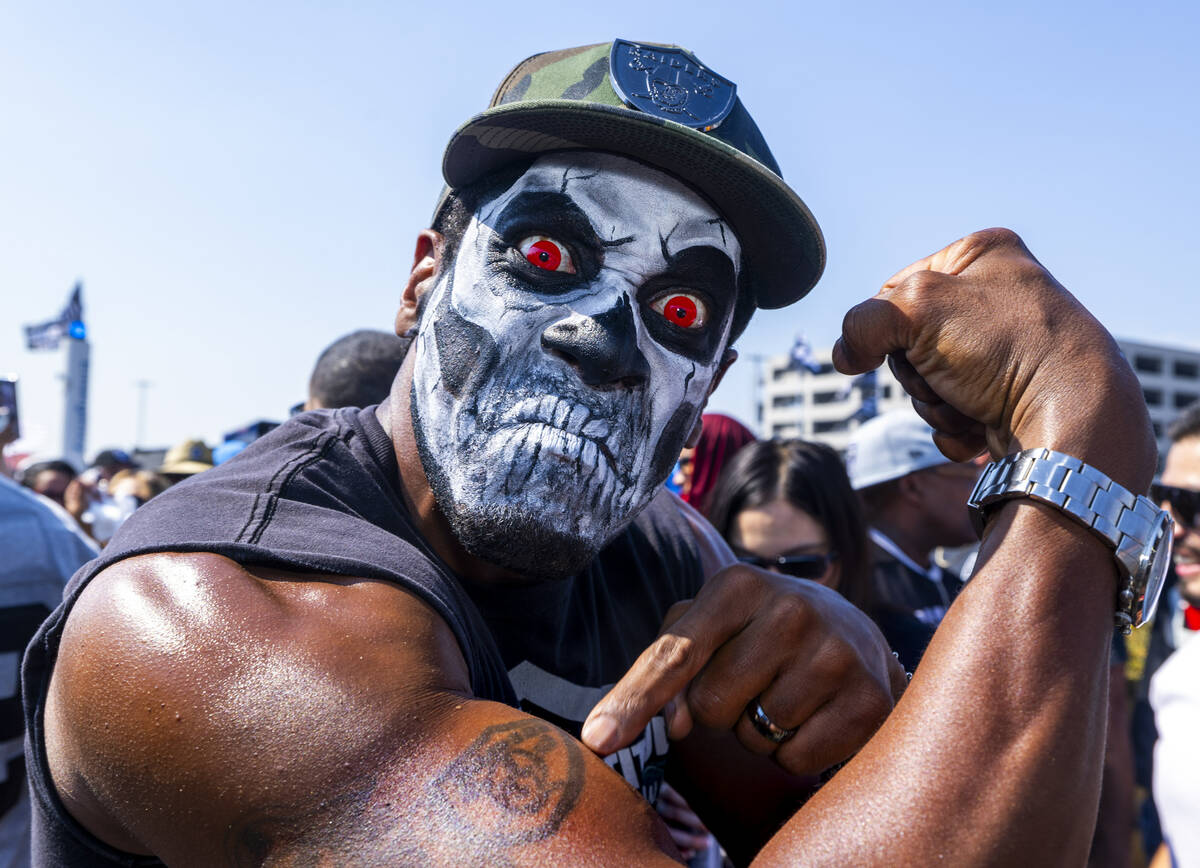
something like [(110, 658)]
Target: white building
[(822, 406), (1170, 378), (817, 406)]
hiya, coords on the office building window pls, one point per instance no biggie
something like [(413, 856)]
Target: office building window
[(827, 427), (1186, 370), (1154, 397), (1144, 364), (824, 397), (1185, 399)]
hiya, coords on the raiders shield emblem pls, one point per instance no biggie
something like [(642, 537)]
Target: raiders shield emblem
[(670, 83)]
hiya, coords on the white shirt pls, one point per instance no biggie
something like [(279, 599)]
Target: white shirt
[(40, 549), (1175, 696)]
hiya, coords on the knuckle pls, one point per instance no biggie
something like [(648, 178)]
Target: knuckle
[(671, 654), (707, 705), (741, 577), (995, 237), (917, 286), (835, 664), (791, 611)]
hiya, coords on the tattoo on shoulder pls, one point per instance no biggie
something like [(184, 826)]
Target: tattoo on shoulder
[(516, 782)]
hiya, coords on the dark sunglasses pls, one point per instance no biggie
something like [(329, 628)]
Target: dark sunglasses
[(1185, 502), (796, 566)]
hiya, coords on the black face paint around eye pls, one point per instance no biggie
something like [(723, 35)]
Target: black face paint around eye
[(707, 272), (555, 215)]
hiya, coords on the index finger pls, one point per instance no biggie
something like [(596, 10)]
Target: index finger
[(664, 669)]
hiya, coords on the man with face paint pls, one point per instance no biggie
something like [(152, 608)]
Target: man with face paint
[(376, 636), (594, 357)]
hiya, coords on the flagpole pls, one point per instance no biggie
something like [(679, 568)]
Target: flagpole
[(47, 336), (75, 395)]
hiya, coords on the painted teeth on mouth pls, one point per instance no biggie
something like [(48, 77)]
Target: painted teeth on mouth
[(587, 452), (579, 415), (590, 456), (597, 429), (552, 437), (569, 416)]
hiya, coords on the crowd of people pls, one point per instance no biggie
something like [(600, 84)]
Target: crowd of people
[(501, 592)]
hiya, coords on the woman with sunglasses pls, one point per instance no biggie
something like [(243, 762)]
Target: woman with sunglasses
[(788, 507)]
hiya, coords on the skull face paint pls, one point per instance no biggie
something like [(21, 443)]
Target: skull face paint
[(565, 355)]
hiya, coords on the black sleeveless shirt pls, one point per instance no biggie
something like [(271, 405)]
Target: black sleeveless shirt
[(321, 494)]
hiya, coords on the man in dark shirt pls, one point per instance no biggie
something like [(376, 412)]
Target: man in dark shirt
[(306, 655)]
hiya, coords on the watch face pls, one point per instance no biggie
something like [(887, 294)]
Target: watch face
[(1156, 558)]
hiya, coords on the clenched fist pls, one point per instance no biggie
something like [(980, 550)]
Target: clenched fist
[(998, 355)]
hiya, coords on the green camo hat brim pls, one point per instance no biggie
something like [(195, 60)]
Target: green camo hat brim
[(784, 248)]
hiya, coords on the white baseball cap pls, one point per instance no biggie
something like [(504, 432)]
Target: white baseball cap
[(890, 446)]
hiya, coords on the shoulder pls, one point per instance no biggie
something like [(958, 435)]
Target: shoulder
[(146, 606), (173, 666)]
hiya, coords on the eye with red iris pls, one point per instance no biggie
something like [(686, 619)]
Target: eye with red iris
[(547, 253), (682, 309)]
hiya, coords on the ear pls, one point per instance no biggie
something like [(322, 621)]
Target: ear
[(726, 360), (427, 263), (911, 487)]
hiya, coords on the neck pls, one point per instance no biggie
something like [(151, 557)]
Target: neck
[(907, 539), (395, 415)]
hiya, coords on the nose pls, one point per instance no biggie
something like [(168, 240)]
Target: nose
[(602, 349)]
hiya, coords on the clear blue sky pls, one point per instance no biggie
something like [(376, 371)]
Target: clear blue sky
[(238, 184)]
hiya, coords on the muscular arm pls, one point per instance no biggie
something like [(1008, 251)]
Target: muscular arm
[(994, 747), (213, 716), (994, 754)]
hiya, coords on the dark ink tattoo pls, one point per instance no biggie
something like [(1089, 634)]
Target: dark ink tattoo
[(516, 783)]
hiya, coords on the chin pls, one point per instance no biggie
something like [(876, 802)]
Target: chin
[(521, 541)]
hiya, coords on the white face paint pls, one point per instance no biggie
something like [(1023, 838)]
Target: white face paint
[(549, 405)]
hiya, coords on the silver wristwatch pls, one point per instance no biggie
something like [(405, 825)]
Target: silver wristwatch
[(1138, 531)]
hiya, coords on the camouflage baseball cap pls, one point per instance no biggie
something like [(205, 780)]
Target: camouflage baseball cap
[(660, 105)]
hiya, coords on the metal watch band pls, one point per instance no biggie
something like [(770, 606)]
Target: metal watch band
[(1127, 522)]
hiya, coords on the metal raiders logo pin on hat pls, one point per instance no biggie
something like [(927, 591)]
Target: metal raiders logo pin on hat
[(670, 83)]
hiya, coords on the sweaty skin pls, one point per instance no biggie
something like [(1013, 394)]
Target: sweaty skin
[(214, 714)]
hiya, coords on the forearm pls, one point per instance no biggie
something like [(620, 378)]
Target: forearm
[(994, 753)]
